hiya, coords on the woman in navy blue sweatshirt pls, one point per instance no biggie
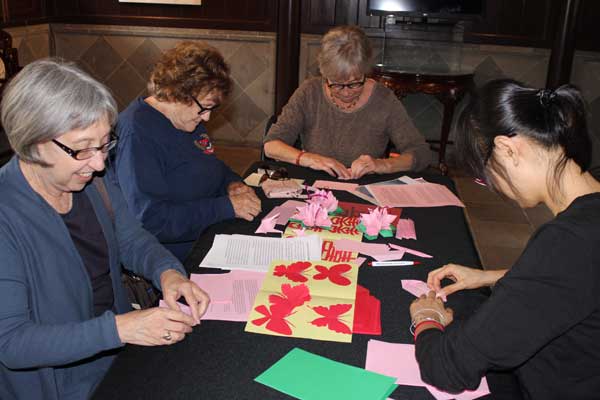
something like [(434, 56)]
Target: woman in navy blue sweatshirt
[(542, 320), (165, 164)]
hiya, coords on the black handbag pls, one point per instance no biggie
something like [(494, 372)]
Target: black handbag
[(140, 292)]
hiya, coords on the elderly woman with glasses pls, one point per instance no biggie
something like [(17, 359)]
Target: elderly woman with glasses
[(344, 119), (165, 162), (64, 234)]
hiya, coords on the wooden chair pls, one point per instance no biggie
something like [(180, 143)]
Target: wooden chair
[(10, 60)]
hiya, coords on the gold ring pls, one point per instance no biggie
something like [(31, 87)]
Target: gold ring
[(167, 336)]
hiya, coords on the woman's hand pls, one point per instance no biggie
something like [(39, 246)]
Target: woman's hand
[(429, 307), (463, 278), (153, 327), (366, 164), (238, 188), (246, 205), (174, 285), (330, 165)]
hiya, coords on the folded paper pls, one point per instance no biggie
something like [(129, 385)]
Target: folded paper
[(307, 376)]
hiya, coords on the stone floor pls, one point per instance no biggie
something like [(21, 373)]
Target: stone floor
[(500, 228)]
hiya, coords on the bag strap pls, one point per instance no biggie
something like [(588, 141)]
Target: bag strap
[(99, 183)]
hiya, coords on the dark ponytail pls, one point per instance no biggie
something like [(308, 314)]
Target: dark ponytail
[(506, 107)]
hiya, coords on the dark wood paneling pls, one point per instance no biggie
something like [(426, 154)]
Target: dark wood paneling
[(588, 27), (528, 23), (318, 16), (18, 9), (255, 15)]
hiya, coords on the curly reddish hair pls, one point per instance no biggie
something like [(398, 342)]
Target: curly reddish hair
[(190, 69)]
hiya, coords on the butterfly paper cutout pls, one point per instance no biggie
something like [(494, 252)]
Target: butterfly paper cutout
[(293, 272), (334, 274), (331, 317), (274, 316), (291, 296), (282, 306)]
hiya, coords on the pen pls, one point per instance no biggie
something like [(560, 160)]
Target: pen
[(392, 263)]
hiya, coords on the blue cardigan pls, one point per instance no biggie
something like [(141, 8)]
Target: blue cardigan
[(171, 184), (51, 345)]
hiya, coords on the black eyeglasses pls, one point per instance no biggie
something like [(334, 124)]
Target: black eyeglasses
[(85, 154), (338, 87), (204, 110)]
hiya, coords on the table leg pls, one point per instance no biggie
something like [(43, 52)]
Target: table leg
[(449, 105)]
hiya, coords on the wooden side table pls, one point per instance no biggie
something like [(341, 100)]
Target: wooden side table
[(448, 87)]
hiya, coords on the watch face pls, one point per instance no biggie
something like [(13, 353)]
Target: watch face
[(204, 144)]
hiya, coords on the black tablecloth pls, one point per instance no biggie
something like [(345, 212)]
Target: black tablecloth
[(218, 360)]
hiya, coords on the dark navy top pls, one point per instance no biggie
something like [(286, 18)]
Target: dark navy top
[(170, 179), (89, 241)]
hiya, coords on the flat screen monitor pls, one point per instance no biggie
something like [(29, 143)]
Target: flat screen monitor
[(447, 9)]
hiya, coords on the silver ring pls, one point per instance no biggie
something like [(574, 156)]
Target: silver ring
[(167, 336)]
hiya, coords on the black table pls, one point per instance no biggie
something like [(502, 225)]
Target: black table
[(219, 360)]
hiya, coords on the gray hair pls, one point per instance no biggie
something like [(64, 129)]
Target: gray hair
[(344, 50), (49, 98)]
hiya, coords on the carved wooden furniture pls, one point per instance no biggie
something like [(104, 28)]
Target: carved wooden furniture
[(448, 87)]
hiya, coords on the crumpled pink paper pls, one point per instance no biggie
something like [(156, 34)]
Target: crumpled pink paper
[(325, 198), (313, 214), (267, 225), (376, 220)]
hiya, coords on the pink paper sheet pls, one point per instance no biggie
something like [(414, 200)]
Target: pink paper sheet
[(231, 294), (396, 359), (405, 229), (361, 247), (410, 251), (389, 256), (285, 211), (421, 195), (267, 225), (417, 288), (332, 185)]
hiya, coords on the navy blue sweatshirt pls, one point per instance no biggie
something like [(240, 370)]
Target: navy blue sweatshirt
[(174, 187)]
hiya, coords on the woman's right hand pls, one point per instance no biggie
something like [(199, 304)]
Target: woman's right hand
[(463, 278), (154, 326), (330, 165)]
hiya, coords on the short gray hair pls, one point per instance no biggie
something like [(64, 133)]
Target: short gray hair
[(49, 98), (344, 50)]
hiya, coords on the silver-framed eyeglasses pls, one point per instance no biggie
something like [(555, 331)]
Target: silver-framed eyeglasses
[(338, 87), (204, 110), (87, 153)]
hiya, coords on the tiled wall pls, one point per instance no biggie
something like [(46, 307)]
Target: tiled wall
[(122, 57), (528, 65), (32, 42)]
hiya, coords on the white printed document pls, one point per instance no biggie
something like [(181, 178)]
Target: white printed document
[(256, 253)]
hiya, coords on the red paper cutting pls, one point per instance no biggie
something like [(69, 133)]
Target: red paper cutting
[(334, 274), (331, 317), (291, 296), (367, 313), (293, 272), (274, 316)]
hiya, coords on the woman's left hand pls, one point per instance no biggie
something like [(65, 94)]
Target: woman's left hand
[(430, 306), (366, 164), (238, 188), (174, 285)]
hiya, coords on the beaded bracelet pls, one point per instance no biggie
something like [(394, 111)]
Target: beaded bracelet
[(442, 320), (299, 156)]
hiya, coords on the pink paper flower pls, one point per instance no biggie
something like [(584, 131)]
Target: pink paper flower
[(376, 220), (325, 198), (313, 214)]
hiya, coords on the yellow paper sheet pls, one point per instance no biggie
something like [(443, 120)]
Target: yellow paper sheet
[(330, 295)]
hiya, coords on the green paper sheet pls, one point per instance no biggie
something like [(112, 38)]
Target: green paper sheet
[(308, 376)]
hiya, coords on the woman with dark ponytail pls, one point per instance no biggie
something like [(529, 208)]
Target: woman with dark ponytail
[(542, 320)]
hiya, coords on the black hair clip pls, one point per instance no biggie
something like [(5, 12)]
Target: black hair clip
[(546, 96)]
